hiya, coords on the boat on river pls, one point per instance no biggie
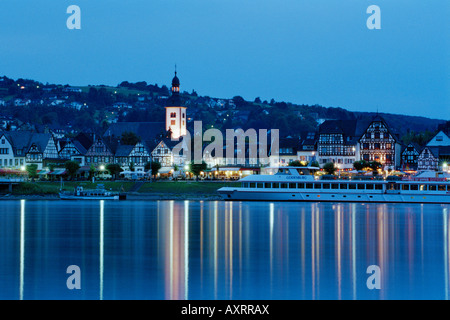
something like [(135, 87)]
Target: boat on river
[(300, 184), (100, 193)]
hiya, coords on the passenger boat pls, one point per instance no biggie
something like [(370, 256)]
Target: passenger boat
[(100, 193), (299, 184)]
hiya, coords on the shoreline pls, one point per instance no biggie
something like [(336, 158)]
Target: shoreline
[(130, 196)]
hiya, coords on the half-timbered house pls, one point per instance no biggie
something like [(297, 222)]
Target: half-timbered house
[(379, 143), (99, 153), (138, 155), (428, 159), (410, 156), (337, 143), (433, 158)]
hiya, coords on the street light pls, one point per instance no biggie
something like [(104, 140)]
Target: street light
[(102, 168)]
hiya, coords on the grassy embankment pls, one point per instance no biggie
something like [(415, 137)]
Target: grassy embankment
[(52, 188)]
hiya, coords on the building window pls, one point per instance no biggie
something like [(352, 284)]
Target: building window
[(172, 122)]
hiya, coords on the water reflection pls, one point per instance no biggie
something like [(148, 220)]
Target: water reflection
[(101, 245), (223, 250), (22, 247)]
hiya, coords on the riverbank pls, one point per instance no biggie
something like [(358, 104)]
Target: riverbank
[(160, 190), (130, 196)]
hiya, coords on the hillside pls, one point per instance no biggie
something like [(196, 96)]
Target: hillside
[(33, 104)]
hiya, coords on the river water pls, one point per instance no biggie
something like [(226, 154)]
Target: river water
[(223, 250)]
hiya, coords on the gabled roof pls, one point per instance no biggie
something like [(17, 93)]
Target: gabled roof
[(40, 140), (289, 143), (84, 139), (81, 149), (417, 147), (123, 150), (20, 140), (345, 127), (366, 122)]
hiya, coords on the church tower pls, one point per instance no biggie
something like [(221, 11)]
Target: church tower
[(175, 113)]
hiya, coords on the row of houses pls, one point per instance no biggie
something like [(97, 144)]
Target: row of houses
[(339, 141), (21, 148), (343, 142)]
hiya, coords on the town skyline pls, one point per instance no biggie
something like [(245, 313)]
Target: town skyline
[(134, 147)]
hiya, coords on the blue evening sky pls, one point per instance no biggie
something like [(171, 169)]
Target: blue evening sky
[(301, 51)]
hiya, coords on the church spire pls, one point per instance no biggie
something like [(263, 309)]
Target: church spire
[(175, 82)]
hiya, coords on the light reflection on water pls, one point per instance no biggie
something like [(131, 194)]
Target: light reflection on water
[(223, 250)]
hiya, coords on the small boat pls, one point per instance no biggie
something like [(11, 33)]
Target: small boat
[(100, 193)]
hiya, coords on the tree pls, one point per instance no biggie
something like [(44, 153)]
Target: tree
[(329, 168), (197, 168), (360, 165), (32, 170), (155, 166), (72, 168), (114, 169), (51, 166), (175, 169), (296, 163), (92, 171), (314, 164), (375, 165), (239, 101), (129, 138)]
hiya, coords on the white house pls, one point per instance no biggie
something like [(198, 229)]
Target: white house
[(7, 156), (439, 140)]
